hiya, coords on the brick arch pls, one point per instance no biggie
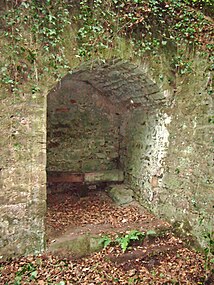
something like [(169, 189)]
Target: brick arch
[(90, 117), (121, 82)]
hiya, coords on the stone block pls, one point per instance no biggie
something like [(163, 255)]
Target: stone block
[(105, 176), (121, 194), (78, 246)]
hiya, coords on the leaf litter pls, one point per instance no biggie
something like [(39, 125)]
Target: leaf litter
[(159, 260)]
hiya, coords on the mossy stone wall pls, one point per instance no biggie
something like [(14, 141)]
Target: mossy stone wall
[(22, 175), (83, 129), (186, 197), (162, 138), (170, 155)]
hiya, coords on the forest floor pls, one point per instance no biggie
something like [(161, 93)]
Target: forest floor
[(157, 259)]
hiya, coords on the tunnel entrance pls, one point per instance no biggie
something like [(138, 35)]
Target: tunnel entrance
[(104, 127)]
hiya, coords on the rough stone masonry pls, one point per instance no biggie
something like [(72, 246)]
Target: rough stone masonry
[(111, 116)]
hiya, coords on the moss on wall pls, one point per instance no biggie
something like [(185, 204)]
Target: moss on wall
[(82, 135), (23, 178), (176, 182)]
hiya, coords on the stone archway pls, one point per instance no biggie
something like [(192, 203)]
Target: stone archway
[(175, 181), (130, 106), (105, 123), (171, 180)]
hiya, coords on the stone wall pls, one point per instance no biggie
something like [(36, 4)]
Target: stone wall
[(186, 197), (146, 140), (102, 117), (86, 111), (170, 155), (83, 129), (22, 174)]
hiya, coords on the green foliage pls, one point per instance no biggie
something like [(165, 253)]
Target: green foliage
[(211, 120), (105, 241), (28, 270), (209, 249), (33, 43), (205, 5), (97, 27), (146, 25), (25, 269), (33, 35), (125, 241)]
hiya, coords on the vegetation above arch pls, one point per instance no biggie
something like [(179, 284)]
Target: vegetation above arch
[(148, 25), (41, 39)]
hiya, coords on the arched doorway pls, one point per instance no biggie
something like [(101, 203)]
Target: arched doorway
[(105, 125)]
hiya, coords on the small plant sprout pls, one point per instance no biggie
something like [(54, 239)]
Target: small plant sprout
[(133, 235), (105, 241)]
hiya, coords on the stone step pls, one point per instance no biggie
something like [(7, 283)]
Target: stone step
[(84, 240)]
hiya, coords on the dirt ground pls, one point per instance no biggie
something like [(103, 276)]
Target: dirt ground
[(96, 213), (161, 259)]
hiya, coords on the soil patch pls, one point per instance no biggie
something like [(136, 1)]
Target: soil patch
[(164, 261), (157, 260), (96, 213)]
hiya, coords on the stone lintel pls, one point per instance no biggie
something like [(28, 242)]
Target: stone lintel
[(114, 175)]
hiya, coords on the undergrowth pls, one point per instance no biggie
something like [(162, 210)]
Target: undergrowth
[(42, 40), (125, 241), (146, 25), (32, 45)]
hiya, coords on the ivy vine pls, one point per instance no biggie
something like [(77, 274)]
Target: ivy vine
[(146, 25), (33, 34)]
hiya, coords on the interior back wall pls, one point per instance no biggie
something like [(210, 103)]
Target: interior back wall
[(83, 129)]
